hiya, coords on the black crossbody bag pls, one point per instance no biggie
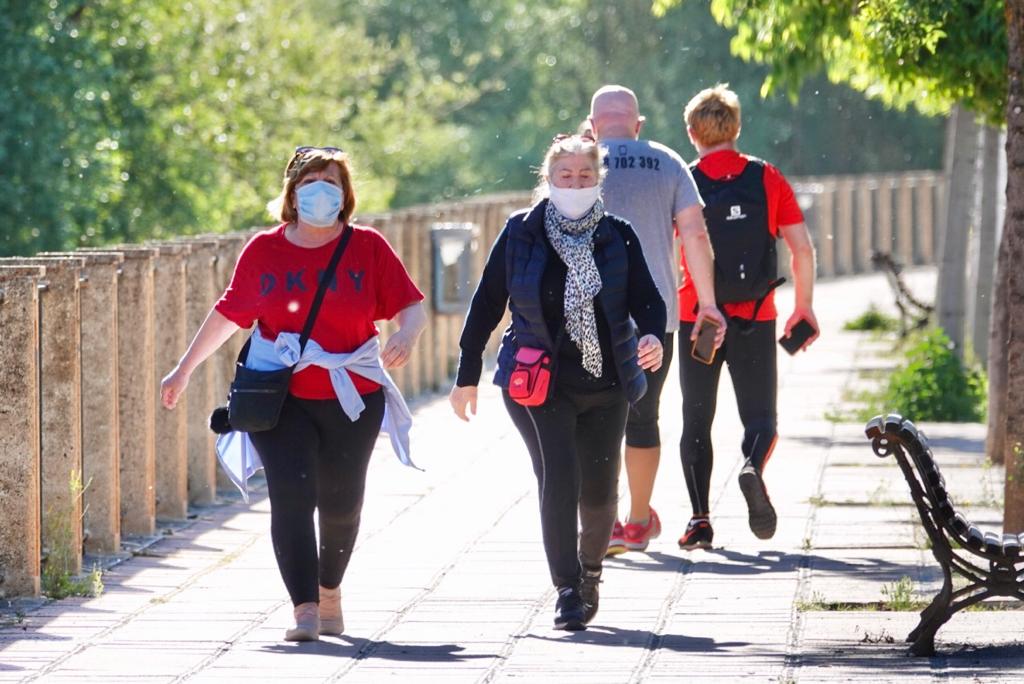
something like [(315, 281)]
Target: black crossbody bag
[(256, 397)]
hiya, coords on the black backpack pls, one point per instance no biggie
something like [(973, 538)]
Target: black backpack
[(736, 213)]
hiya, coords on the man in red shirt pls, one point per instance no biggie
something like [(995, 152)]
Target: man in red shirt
[(748, 205)]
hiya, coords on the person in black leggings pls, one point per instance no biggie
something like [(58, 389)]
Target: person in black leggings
[(748, 206), (575, 280), (749, 351), (316, 458)]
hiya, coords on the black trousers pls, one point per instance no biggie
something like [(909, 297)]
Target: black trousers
[(752, 366), (316, 459), (574, 440)]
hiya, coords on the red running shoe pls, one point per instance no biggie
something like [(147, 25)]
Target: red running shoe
[(638, 536), (617, 542)]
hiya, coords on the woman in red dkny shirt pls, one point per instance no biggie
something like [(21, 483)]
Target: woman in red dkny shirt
[(316, 457)]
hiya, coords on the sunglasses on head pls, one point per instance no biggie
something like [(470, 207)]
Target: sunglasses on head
[(585, 137), (303, 149)]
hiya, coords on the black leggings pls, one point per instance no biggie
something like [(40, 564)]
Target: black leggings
[(752, 366), (316, 459), (574, 440)]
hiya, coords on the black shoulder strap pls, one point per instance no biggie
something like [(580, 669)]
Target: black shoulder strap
[(321, 290)]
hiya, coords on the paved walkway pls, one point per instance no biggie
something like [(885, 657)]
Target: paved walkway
[(449, 583)]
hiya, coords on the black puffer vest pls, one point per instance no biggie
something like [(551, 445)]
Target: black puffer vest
[(526, 256)]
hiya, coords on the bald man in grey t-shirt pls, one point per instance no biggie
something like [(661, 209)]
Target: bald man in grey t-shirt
[(649, 185)]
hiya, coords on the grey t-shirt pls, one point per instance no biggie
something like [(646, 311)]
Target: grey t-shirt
[(648, 184)]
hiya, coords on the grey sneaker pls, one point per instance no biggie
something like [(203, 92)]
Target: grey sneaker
[(762, 516)]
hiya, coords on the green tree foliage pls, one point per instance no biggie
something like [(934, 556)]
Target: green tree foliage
[(128, 120), (929, 53)]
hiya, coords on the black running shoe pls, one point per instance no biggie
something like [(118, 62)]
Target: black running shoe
[(698, 535), (762, 516), (569, 610), (589, 594)]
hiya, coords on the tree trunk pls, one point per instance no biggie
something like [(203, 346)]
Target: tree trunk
[(951, 292), (986, 244), (999, 330), (1013, 518)]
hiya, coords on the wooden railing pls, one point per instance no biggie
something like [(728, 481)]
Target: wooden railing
[(87, 336)]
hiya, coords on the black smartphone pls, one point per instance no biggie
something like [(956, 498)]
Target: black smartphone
[(800, 333), (703, 349)]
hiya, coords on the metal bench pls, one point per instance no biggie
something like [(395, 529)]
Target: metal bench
[(991, 563)]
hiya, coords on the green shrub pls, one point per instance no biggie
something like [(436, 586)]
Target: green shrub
[(934, 384), (872, 320)]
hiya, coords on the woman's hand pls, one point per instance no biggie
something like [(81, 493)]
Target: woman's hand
[(398, 349), (460, 397), (173, 386), (411, 321), (650, 352)]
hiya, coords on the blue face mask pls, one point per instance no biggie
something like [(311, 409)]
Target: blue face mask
[(319, 203)]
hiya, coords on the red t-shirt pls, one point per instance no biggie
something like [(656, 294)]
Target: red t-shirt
[(783, 210), (275, 281)]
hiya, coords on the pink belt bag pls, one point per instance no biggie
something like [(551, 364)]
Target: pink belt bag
[(530, 380)]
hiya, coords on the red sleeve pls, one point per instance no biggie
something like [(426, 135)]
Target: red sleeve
[(395, 289), (783, 209), (240, 301)]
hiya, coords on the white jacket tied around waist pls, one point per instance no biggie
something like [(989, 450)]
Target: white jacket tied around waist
[(236, 452)]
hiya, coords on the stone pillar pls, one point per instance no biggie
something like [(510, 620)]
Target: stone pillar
[(925, 233), (101, 447), (170, 340), (222, 370), (61, 410), (136, 391), (410, 256), (884, 238), (420, 260), (19, 432), (863, 231), (844, 227), (905, 220), (203, 395), (825, 248)]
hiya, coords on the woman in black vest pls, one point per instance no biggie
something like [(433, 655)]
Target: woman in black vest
[(572, 276)]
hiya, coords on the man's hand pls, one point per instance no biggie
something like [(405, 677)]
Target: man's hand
[(804, 313), (712, 314), (460, 398)]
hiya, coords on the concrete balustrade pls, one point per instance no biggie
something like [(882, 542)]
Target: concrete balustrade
[(101, 448), (170, 303), (60, 409), (138, 307), (19, 431), (203, 394), (136, 389)]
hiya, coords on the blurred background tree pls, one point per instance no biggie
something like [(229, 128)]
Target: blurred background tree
[(129, 120)]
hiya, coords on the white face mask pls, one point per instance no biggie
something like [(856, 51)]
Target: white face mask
[(319, 203), (572, 203)]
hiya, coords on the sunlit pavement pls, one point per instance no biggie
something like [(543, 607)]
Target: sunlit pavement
[(449, 584)]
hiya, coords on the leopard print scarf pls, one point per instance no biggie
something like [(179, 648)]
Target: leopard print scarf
[(573, 240)]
